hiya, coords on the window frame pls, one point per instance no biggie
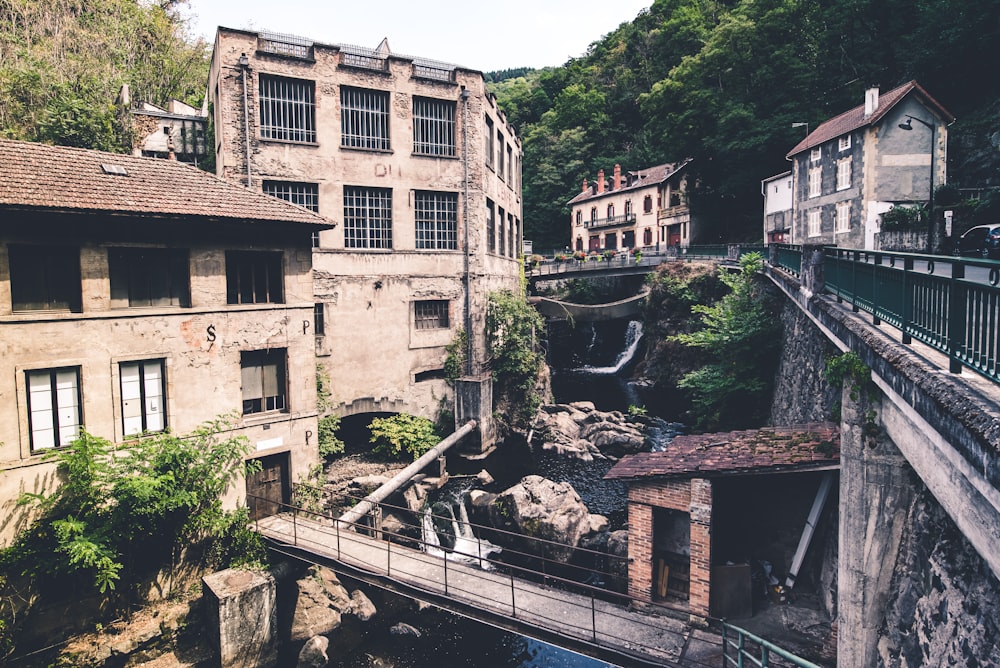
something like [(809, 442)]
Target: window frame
[(491, 226), (58, 406), (434, 135), (301, 193), (265, 267), (814, 223), (363, 125), (259, 361), (843, 217), (844, 143), (367, 218), (288, 115), (815, 181), (490, 145), (58, 276), (430, 314), (133, 274), (844, 173), (435, 220), (146, 408), (815, 155)]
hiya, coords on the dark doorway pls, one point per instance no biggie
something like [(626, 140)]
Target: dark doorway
[(671, 554), (270, 487)]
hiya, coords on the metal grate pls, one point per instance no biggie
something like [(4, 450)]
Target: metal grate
[(367, 217), (287, 109), (284, 45), (359, 56), (364, 118), (303, 194), (425, 71), (430, 314), (433, 127), (436, 217)]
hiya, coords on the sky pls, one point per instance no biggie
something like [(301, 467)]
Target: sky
[(480, 35)]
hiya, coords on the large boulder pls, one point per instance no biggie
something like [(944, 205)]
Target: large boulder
[(313, 654), (580, 431), (540, 508), (320, 604)]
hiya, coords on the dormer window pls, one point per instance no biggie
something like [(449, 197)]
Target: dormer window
[(814, 156), (844, 143)]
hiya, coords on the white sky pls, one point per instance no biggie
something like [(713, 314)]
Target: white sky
[(477, 34)]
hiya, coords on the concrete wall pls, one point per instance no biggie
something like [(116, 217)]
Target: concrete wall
[(200, 346), (371, 350)]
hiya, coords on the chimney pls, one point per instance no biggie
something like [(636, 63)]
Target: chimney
[(871, 101), (600, 181), (618, 177), (585, 184)]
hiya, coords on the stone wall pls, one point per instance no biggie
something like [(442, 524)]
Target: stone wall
[(801, 394)]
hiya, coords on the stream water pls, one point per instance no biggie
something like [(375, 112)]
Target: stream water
[(588, 364)]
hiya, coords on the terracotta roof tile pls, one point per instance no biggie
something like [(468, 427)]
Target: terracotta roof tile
[(770, 449), (855, 118), (645, 178), (40, 176)]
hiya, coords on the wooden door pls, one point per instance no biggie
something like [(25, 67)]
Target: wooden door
[(269, 487)]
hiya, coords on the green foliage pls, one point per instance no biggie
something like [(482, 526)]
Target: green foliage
[(118, 511), (402, 433), (308, 491), (329, 443), (739, 334), (636, 411), (902, 218), (457, 355), (512, 329), (848, 368), (235, 545)]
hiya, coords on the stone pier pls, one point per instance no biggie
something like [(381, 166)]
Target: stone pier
[(242, 606)]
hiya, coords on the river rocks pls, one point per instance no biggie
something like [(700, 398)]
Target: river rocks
[(362, 606), (580, 431), (313, 654), (322, 601), (540, 508), (404, 629)]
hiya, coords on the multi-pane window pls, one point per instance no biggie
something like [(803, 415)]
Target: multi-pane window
[(815, 181), (364, 119), (628, 207), (511, 251), (367, 217), (433, 127), (54, 415), (491, 226), (45, 278), (844, 143), (303, 194), (579, 218), (254, 277), (814, 155), (143, 392), (319, 320), (647, 204), (510, 166), (500, 154), (287, 109), (436, 218), (611, 210), (430, 314), (814, 223), (263, 376), (148, 277), (503, 230), (843, 217), (843, 174), (593, 214), (489, 142)]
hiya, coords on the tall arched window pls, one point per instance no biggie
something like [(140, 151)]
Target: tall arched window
[(593, 214), (579, 218), (628, 207), (611, 211)]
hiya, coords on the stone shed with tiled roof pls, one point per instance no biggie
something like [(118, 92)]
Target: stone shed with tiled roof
[(674, 495)]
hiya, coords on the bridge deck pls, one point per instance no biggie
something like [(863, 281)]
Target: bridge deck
[(585, 620)]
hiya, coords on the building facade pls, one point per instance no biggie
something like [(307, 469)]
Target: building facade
[(141, 295), (648, 208), (890, 151), (420, 171), (777, 192)]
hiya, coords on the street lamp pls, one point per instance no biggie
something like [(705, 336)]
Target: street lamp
[(908, 125)]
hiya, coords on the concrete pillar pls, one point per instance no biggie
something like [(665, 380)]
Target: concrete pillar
[(876, 490), (811, 273), (242, 606), (701, 546), (474, 401)]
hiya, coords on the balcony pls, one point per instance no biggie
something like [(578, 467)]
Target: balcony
[(673, 215), (613, 221)]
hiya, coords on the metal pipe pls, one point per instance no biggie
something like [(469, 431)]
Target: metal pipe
[(352, 516), (469, 349), (244, 66), (807, 533)]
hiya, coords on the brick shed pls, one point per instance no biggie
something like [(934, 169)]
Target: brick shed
[(673, 496)]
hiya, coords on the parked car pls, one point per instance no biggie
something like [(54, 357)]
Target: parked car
[(981, 240)]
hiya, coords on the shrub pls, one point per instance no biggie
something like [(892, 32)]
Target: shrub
[(902, 217), (396, 434), (512, 326), (329, 443)]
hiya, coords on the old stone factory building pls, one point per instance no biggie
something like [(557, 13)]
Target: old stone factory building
[(420, 172), (139, 295)]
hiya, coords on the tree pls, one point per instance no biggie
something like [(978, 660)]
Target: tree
[(403, 433), (740, 335), (512, 329)]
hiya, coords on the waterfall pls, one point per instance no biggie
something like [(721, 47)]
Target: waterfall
[(467, 548), (632, 337)]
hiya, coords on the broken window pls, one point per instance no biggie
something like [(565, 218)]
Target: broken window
[(430, 314), (287, 109), (364, 119)]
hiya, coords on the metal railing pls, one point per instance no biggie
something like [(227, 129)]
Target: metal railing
[(951, 304), (650, 257), (623, 219), (601, 610), (741, 648)]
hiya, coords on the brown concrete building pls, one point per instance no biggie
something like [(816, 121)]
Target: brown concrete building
[(688, 506), (647, 208), (421, 172), (139, 295)]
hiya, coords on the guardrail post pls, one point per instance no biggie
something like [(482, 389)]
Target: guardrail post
[(593, 616), (957, 317), (907, 300), (513, 607), (444, 558), (856, 259), (876, 265), (388, 558), (295, 526), (764, 657)]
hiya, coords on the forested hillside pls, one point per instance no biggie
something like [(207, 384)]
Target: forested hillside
[(722, 81), (63, 62)]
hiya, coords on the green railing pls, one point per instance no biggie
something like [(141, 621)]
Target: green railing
[(951, 304), (741, 648)]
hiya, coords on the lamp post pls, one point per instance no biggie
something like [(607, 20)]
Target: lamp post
[(908, 125)]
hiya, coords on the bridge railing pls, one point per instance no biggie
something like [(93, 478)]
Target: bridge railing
[(650, 257), (741, 648), (951, 304), (422, 571)]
